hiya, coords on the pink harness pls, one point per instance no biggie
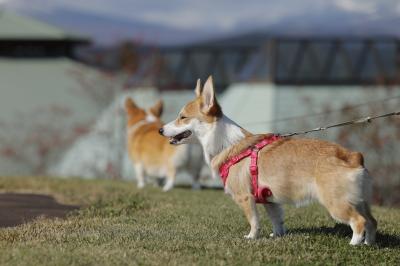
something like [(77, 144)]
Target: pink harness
[(260, 193)]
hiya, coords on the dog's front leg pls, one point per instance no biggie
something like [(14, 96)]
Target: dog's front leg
[(139, 171), (248, 205), (171, 174)]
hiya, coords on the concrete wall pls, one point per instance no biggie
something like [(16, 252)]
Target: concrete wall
[(250, 105), (29, 91), (295, 108), (102, 153)]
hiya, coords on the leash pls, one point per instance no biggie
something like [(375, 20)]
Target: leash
[(367, 119), (262, 193)]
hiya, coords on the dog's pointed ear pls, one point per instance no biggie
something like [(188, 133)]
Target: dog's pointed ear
[(197, 90), (130, 104), (210, 105), (157, 109)]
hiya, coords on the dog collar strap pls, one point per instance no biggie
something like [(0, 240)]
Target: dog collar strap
[(260, 193)]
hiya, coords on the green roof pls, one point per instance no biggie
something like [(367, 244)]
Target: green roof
[(17, 27)]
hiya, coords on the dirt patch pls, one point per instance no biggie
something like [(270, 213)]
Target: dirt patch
[(17, 208)]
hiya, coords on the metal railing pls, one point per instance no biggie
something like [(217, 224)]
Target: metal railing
[(336, 61)]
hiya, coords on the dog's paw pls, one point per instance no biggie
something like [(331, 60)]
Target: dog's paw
[(168, 185), (196, 186), (355, 242), (273, 235), (250, 236), (167, 188), (278, 232), (357, 239)]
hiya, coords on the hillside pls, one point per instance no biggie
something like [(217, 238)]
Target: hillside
[(119, 225)]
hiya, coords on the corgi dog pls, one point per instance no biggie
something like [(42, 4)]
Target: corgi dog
[(151, 153), (296, 170)]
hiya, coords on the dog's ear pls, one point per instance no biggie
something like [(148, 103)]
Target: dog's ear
[(209, 102), (157, 109), (197, 90), (130, 104)]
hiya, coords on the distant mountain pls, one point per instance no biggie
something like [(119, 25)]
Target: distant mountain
[(329, 22), (332, 25), (110, 30), (337, 24)]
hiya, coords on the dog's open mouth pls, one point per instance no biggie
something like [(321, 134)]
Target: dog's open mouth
[(178, 138)]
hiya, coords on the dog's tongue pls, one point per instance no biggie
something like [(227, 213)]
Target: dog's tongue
[(173, 141), (176, 139)]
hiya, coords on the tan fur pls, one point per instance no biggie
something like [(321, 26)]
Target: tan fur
[(291, 167), (296, 171), (234, 150), (151, 153), (194, 109), (288, 164), (151, 149), (157, 109)]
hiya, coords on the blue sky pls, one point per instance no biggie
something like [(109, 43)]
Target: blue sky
[(222, 15)]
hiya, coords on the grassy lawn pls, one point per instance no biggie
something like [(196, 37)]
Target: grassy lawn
[(119, 225)]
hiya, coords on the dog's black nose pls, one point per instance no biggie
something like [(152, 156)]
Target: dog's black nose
[(161, 131)]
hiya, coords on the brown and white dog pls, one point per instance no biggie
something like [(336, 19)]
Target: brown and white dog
[(151, 153), (296, 170)]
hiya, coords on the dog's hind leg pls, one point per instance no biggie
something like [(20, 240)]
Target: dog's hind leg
[(169, 184), (194, 172), (370, 225), (357, 224), (248, 204), (196, 184), (275, 213), (347, 213), (139, 171), (347, 200), (364, 209)]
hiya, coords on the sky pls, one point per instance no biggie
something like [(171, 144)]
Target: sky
[(173, 22), (222, 15)]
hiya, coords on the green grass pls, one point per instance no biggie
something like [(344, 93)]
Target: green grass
[(120, 225)]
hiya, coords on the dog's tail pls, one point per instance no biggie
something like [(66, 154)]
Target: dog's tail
[(356, 159), (360, 189)]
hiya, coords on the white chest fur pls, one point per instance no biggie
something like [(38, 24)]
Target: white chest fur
[(218, 136)]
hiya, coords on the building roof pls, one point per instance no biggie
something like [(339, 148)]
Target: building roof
[(17, 27)]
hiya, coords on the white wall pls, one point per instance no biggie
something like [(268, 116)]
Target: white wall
[(29, 89), (249, 105)]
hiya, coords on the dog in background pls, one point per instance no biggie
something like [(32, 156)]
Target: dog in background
[(295, 170), (151, 154)]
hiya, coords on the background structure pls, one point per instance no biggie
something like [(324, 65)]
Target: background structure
[(60, 111)]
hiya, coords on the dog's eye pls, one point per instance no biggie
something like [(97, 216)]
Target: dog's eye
[(182, 117)]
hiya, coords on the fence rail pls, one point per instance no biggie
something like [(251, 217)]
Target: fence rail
[(284, 61)]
